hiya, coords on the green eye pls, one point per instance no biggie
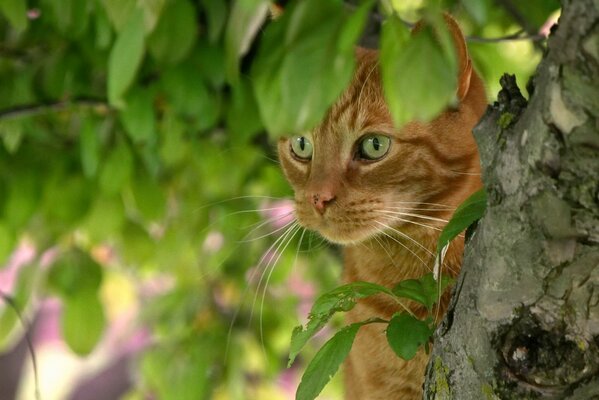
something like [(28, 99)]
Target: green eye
[(374, 147), (301, 147)]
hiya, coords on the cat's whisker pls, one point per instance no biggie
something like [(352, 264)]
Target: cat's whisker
[(270, 270), (257, 197), (403, 244), (416, 215), (268, 221), (267, 254), (419, 203), (385, 249), (250, 279), (409, 221)]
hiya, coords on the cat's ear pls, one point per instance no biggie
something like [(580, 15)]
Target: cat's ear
[(464, 62)]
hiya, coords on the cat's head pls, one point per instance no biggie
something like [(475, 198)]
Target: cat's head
[(355, 174)]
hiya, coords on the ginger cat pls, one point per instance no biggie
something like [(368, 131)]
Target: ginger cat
[(382, 193)]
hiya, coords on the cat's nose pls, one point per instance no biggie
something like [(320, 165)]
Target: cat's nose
[(320, 201)]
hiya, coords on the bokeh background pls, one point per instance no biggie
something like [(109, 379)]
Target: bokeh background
[(147, 246)]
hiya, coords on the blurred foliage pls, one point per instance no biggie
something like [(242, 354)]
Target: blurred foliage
[(133, 146)]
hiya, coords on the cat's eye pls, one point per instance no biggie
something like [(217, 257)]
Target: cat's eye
[(301, 147), (374, 147)]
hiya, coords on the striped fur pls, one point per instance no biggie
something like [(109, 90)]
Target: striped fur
[(435, 162)]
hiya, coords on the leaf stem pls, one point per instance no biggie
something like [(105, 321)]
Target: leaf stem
[(26, 327)]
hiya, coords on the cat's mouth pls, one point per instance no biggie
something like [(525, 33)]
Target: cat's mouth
[(340, 228)]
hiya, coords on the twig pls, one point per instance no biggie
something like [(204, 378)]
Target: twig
[(26, 326), (54, 106)]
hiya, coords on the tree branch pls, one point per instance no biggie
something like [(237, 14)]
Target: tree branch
[(28, 110)]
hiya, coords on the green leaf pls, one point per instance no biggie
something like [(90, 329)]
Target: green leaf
[(117, 169), (149, 198), (138, 116), (243, 118), (190, 96), (23, 199), (478, 9), (406, 334), (175, 33), (11, 132), (425, 290), (106, 217), (89, 148), (8, 241), (119, 12), (246, 18), (15, 12), (295, 83), (73, 273), (471, 210), (537, 12), (326, 362), (66, 199), (343, 298), (419, 76), (216, 11), (125, 58), (83, 321)]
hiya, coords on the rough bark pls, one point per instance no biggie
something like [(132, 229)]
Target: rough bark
[(524, 320)]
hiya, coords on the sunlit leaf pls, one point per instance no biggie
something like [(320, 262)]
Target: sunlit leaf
[(419, 78), (326, 362), (470, 211), (125, 58), (117, 169), (340, 299), (82, 322), (297, 82), (406, 334), (149, 198), (246, 18), (119, 12), (425, 290)]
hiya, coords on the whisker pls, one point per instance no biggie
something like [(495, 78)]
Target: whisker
[(384, 249), (445, 206), (270, 233), (410, 221), (402, 244), (276, 246), (418, 215), (216, 203), (296, 229)]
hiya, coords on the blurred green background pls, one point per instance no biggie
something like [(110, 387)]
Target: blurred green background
[(145, 228)]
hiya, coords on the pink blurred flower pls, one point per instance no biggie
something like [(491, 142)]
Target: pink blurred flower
[(279, 212)]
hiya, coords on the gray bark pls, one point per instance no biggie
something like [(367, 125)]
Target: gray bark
[(524, 319)]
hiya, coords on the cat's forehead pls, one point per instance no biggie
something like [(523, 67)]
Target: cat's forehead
[(361, 106)]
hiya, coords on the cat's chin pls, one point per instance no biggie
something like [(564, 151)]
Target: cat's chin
[(347, 238)]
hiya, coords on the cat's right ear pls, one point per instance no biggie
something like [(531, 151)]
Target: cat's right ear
[(464, 62)]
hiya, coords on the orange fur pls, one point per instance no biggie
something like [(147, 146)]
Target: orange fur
[(345, 199)]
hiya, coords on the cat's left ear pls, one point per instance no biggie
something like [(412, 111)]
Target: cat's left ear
[(464, 62)]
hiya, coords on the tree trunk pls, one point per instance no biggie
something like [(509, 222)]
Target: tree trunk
[(524, 319)]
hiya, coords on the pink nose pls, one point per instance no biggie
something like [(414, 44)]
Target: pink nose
[(320, 201)]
